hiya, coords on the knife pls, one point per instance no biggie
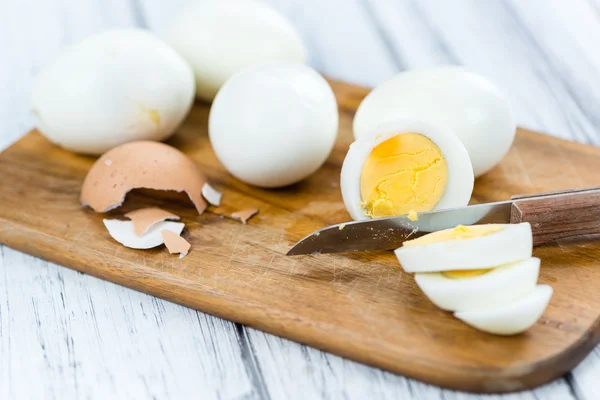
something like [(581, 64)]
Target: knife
[(552, 215)]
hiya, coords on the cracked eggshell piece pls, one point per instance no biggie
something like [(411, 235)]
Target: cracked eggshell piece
[(175, 243), (211, 195), (144, 218), (117, 86), (488, 289), (459, 183), (244, 215), (124, 233), (142, 165), (511, 318), (467, 248)]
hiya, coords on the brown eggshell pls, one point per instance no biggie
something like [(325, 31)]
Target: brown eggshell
[(175, 243), (144, 218), (141, 165), (244, 215)]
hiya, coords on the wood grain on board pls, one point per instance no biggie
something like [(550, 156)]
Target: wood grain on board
[(361, 306)]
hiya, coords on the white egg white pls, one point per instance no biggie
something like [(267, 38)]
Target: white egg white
[(219, 38), (495, 288), (510, 318), (275, 124), (452, 97), (512, 243), (460, 173), (114, 87), (124, 233)]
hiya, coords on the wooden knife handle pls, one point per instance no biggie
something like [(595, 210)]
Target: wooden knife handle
[(559, 217)]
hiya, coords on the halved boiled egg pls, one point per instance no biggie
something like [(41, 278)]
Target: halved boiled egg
[(449, 96), (405, 166), (511, 318), (480, 289), (467, 248)]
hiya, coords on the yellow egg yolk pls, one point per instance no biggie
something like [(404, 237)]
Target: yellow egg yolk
[(413, 216), (465, 274), (461, 232), (406, 172)]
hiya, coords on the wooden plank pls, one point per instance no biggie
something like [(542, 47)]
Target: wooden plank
[(82, 336), (489, 40), (342, 41)]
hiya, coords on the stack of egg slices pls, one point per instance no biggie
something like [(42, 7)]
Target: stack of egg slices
[(485, 274)]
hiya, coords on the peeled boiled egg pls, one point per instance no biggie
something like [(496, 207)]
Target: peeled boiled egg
[(114, 87), (219, 38), (451, 97), (403, 167), (480, 289), (274, 124), (511, 318), (467, 248)]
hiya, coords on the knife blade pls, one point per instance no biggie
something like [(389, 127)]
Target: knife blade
[(390, 233)]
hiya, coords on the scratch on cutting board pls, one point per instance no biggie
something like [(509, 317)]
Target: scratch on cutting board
[(522, 166), (263, 272), (562, 247), (80, 231), (232, 255), (561, 153), (353, 288)]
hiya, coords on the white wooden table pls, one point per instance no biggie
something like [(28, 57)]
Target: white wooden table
[(66, 335)]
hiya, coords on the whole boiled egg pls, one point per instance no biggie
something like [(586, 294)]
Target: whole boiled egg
[(451, 97), (219, 38), (114, 87), (274, 124), (405, 166)]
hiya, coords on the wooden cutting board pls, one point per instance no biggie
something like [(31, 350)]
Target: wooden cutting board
[(360, 305)]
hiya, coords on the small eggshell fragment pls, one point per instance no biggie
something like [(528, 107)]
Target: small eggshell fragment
[(211, 195), (144, 218), (114, 87), (124, 233), (141, 165), (244, 215), (175, 243)]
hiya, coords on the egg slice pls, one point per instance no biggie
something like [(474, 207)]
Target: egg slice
[(467, 248), (405, 166), (475, 289), (511, 318)]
